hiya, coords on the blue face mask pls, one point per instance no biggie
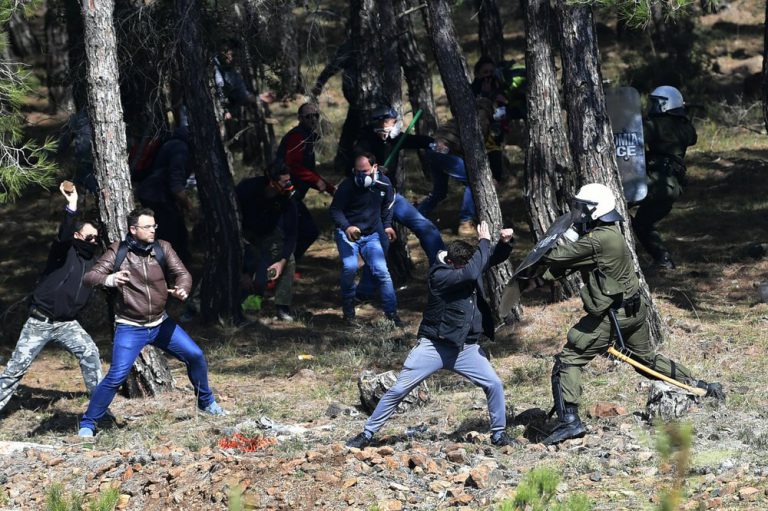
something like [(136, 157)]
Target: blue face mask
[(365, 180)]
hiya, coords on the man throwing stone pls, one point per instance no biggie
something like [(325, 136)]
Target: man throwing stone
[(457, 315)]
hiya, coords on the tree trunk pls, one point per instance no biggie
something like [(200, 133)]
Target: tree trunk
[(57, 59), (220, 287), (105, 111), (765, 67), (150, 375), (453, 72), (259, 139), (589, 129), (76, 53), (416, 70), (283, 33), (379, 77), (417, 76), (490, 30), (23, 41), (549, 177)]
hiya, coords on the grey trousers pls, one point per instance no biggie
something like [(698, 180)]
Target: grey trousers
[(34, 336), (428, 357)]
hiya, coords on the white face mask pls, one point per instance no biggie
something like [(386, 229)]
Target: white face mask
[(395, 130)]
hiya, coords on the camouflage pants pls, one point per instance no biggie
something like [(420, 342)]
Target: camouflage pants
[(34, 336)]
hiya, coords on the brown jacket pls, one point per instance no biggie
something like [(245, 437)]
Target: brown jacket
[(142, 299)]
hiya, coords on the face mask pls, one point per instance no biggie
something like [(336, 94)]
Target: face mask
[(84, 249), (365, 180), (395, 130), (499, 113)]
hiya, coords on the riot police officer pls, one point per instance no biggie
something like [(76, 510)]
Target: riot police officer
[(668, 133), (611, 286)]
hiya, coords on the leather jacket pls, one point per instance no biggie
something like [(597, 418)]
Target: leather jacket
[(142, 299)]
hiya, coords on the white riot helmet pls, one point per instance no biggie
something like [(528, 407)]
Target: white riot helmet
[(597, 202), (665, 98)]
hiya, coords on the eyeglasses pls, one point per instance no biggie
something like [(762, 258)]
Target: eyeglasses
[(311, 116), (91, 238), (147, 227)]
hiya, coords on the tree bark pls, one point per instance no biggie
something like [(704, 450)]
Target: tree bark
[(259, 139), (490, 30), (57, 59), (589, 129), (283, 33), (765, 67), (220, 287), (549, 177), (105, 111), (416, 70), (453, 72)]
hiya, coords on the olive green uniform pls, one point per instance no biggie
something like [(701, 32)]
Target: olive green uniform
[(606, 268), (667, 136)]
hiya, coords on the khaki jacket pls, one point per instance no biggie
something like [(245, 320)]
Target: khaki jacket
[(142, 299), (605, 264)]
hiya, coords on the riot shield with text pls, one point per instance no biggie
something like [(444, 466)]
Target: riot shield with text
[(623, 104)]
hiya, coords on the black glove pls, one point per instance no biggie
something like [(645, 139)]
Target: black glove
[(713, 389)]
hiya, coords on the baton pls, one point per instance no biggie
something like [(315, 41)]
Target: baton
[(637, 365), (402, 139)]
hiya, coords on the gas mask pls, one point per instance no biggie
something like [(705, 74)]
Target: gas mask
[(364, 180), (582, 216)]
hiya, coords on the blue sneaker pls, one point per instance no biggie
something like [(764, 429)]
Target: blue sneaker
[(215, 409), (85, 433)]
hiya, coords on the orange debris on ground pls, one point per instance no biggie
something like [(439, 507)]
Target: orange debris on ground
[(245, 444)]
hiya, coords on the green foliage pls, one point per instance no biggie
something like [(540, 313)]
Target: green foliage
[(638, 13), (23, 162), (673, 443), (57, 500), (536, 493)]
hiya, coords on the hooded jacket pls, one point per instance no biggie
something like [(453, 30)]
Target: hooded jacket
[(60, 293)]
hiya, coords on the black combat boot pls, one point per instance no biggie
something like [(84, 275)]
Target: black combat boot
[(570, 426), (713, 389)]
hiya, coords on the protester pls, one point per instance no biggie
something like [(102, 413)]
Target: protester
[(56, 301), (270, 224), (456, 317), (297, 152), (380, 137), (668, 133), (360, 206), (77, 134), (604, 261), (140, 267), (446, 159), (164, 192)]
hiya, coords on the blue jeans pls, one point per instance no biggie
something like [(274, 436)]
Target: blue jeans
[(428, 357), (369, 247), (428, 235), (444, 166), (129, 341)]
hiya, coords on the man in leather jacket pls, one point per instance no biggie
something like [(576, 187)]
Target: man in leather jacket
[(142, 291), (457, 315)]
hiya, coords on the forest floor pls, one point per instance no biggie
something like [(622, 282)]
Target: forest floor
[(162, 454)]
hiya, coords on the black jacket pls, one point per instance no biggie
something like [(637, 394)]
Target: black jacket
[(262, 214), (60, 293), (457, 310), (366, 208)]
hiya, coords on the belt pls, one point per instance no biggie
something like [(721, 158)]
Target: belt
[(39, 315)]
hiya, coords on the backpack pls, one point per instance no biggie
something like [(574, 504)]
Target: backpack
[(142, 157)]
